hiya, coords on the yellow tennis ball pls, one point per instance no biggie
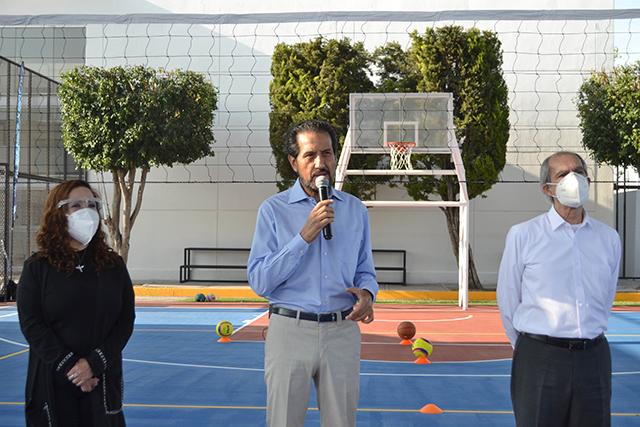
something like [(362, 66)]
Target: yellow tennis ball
[(224, 328), (422, 347)]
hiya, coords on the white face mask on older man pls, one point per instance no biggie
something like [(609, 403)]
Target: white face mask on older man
[(572, 190)]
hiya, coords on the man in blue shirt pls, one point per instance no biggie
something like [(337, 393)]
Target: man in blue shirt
[(317, 288)]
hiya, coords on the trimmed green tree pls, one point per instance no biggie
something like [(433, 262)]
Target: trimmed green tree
[(312, 80), (125, 119), (467, 63), (609, 111)]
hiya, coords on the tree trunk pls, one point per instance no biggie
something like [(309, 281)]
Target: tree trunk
[(113, 218), (123, 214), (453, 220)]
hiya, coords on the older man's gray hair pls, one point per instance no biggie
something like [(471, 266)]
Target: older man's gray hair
[(545, 174)]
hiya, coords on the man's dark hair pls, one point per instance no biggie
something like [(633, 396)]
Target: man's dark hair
[(317, 126)]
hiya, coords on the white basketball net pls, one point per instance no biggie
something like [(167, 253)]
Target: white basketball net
[(400, 155)]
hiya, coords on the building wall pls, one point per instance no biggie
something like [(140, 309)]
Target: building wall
[(214, 201)]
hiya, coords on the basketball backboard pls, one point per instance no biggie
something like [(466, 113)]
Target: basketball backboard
[(379, 118)]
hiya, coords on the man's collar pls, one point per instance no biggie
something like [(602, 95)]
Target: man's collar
[(297, 193), (556, 220)]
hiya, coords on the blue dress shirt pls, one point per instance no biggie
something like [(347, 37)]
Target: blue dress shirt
[(311, 277)]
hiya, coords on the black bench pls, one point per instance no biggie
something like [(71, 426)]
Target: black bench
[(240, 264)]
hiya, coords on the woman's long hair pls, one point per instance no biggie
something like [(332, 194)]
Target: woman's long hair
[(54, 241)]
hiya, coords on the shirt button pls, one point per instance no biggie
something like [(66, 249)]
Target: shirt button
[(326, 277), (325, 253)]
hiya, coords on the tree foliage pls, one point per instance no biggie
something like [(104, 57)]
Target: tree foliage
[(312, 80), (116, 118), (126, 118), (468, 64), (609, 112), (396, 70)]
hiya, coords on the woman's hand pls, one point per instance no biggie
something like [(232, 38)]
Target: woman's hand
[(89, 385), (80, 373)]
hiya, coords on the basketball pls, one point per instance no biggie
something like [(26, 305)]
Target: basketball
[(406, 330), (422, 348), (224, 328), (200, 298)]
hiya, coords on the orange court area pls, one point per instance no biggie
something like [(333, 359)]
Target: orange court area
[(472, 335)]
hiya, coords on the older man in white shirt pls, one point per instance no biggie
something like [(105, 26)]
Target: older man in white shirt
[(556, 284)]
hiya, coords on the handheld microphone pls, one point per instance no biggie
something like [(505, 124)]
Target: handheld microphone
[(322, 182)]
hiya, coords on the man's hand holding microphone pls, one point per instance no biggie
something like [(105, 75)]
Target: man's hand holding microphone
[(321, 215)]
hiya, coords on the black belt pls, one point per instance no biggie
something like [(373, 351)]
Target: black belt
[(323, 317), (568, 343)]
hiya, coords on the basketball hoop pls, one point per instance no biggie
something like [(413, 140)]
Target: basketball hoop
[(400, 154)]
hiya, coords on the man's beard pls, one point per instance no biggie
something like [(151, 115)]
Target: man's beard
[(310, 186)]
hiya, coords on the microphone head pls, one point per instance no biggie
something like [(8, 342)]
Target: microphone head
[(322, 181)]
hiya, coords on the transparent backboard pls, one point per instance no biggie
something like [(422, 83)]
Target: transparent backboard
[(379, 118)]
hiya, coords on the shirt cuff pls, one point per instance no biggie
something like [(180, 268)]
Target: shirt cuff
[(372, 290), (97, 361), (65, 363), (298, 245), (373, 298)]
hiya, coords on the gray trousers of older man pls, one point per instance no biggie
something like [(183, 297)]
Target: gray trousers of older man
[(299, 352), (558, 387)]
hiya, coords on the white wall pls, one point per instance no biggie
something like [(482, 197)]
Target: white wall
[(214, 202)]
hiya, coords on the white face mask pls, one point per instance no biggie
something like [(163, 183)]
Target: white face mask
[(572, 190), (83, 224)]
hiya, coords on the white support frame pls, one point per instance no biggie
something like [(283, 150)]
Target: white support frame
[(462, 204)]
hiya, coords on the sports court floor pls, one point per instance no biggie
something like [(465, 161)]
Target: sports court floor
[(176, 374)]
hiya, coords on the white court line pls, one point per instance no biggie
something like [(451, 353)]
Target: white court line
[(190, 365), (427, 321), (435, 363), (249, 321), (370, 374), (10, 314), (367, 374), (439, 344), (13, 342)]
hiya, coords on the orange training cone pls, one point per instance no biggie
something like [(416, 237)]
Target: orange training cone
[(224, 339), (431, 408), (405, 342), (422, 361)]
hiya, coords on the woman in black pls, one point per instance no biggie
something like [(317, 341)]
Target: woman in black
[(76, 308)]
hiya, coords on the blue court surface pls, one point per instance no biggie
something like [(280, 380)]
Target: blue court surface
[(176, 374)]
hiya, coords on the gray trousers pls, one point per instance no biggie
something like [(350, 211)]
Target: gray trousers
[(558, 387), (298, 352)]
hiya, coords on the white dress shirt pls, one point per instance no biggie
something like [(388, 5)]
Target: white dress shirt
[(556, 279)]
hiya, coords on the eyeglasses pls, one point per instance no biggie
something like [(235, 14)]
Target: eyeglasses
[(77, 204)]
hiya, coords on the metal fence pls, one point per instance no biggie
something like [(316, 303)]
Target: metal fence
[(42, 161), (627, 208)]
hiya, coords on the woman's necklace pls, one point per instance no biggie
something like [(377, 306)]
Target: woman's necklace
[(79, 265)]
